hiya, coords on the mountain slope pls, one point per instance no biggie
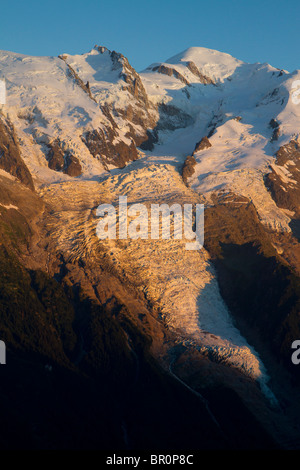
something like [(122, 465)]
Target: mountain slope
[(202, 127)]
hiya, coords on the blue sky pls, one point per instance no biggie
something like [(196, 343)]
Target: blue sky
[(154, 30)]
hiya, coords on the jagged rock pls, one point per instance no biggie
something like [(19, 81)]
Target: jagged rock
[(56, 160), (10, 154), (64, 161), (100, 145), (73, 167), (203, 144), (276, 129), (266, 304), (273, 123), (101, 49), (284, 179), (134, 82), (203, 78), (77, 79), (188, 168), (136, 112), (152, 139), (170, 118), (170, 72)]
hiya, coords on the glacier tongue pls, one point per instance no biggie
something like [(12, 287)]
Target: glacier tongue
[(181, 284)]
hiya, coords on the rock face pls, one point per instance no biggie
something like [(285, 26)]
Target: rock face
[(73, 167), (100, 146), (203, 144), (203, 79), (139, 111), (84, 86), (10, 154), (59, 160), (167, 69), (284, 179), (170, 72), (170, 118), (100, 141), (188, 168), (276, 130), (268, 304), (189, 165), (134, 109)]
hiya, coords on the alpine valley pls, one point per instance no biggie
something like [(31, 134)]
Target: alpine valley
[(138, 343)]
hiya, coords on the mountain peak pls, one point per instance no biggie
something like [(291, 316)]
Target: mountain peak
[(215, 64)]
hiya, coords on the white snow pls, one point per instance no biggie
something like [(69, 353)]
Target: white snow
[(242, 151)]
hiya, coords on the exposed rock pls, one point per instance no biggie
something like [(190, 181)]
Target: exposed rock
[(188, 168), (203, 78), (77, 79), (134, 82), (275, 135), (266, 307), (273, 123), (213, 124), (152, 139), (56, 156), (284, 179), (99, 143), (10, 154), (170, 72), (170, 118), (203, 144), (101, 49), (139, 112), (73, 167), (276, 129), (61, 160)]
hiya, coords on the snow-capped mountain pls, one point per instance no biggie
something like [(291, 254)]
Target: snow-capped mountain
[(79, 130), (89, 113)]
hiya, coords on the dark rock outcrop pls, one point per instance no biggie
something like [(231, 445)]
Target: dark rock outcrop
[(170, 118), (73, 75), (56, 156), (265, 306), (170, 71), (202, 78), (203, 144), (10, 154), (61, 160), (284, 179), (99, 143), (73, 167), (139, 112), (276, 129), (188, 168)]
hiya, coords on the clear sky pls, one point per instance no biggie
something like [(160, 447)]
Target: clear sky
[(154, 30)]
